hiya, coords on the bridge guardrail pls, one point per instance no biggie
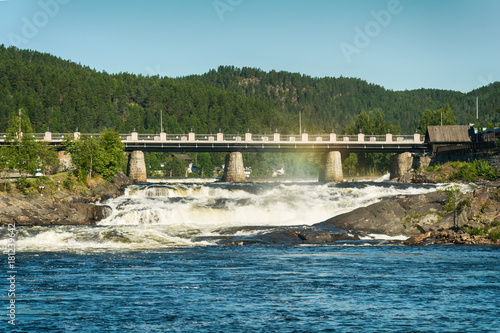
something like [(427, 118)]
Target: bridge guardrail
[(174, 137), (234, 137), (349, 138), (262, 137), (376, 138), (273, 137), (204, 137), (290, 137), (61, 136), (93, 135), (405, 138)]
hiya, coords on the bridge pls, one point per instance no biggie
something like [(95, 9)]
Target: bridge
[(332, 145), (249, 142)]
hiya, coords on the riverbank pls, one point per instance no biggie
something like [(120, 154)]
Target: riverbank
[(57, 200), (444, 216)]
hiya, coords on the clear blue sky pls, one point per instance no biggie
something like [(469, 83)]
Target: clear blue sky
[(405, 44)]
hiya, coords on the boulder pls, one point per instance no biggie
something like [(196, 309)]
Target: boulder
[(409, 216), (417, 240), (315, 236)]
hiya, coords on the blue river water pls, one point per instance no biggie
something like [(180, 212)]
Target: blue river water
[(260, 289), (155, 264)]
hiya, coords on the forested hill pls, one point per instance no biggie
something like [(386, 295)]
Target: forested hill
[(64, 96), (334, 102)]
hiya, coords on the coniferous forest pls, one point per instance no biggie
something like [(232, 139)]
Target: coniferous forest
[(64, 96)]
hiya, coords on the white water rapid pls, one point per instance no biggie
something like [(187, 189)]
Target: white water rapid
[(178, 214)]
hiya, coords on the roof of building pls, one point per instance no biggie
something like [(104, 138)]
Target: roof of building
[(449, 134), (185, 157)]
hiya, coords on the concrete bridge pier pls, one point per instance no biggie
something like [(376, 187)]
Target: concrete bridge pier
[(400, 164), (136, 168), (234, 171), (332, 163)]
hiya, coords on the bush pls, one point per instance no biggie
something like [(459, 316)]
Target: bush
[(471, 172), (494, 235), (22, 184), (434, 168), (69, 182), (6, 186), (466, 172), (484, 170), (495, 224), (475, 231), (451, 193)]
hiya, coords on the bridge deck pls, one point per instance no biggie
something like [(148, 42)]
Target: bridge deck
[(249, 142)]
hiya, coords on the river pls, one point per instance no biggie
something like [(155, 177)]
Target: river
[(154, 266)]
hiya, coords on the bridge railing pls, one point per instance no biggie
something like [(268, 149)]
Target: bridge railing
[(245, 137), (62, 136), (376, 138), (91, 135), (234, 137), (319, 137), (174, 137), (290, 137), (262, 137), (407, 138), (205, 137), (349, 138)]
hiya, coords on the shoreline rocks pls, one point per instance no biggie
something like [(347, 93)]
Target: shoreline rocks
[(60, 206), (441, 217)]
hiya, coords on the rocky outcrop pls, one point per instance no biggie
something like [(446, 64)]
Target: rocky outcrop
[(420, 177), (409, 216), (448, 216), (445, 216), (65, 161), (309, 235), (450, 237), (59, 206), (41, 211)]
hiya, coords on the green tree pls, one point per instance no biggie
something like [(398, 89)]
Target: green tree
[(4, 166), (204, 162), (83, 152), (111, 153), (47, 155), (444, 116), (23, 150), (368, 163), (350, 164)]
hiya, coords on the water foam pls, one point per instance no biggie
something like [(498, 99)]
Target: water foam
[(180, 214)]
